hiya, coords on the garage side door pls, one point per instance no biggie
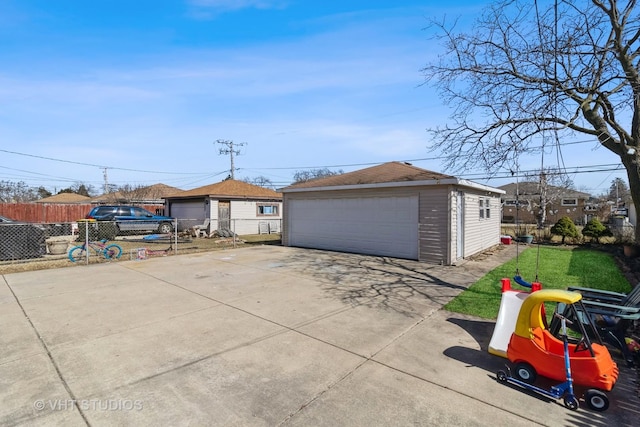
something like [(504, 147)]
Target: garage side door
[(386, 226)]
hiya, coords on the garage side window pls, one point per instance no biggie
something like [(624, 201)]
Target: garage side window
[(485, 208), (266, 209)]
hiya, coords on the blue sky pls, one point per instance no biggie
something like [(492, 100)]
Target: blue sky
[(144, 88)]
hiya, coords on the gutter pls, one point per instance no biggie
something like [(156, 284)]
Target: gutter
[(431, 182)]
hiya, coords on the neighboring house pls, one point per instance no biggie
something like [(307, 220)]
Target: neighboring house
[(150, 197), (62, 207), (396, 210), (65, 199), (521, 203), (228, 205)]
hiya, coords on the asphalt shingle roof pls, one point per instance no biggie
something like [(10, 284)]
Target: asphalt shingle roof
[(65, 198), (230, 188), (384, 173), (529, 188)]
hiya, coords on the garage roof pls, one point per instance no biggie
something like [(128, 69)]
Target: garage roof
[(67, 198), (529, 190), (229, 189), (391, 174)]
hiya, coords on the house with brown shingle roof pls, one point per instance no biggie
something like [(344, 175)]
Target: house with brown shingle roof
[(394, 209), (230, 205), (139, 196), (522, 203), (65, 198)]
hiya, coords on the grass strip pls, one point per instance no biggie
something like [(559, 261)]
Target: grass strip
[(558, 268)]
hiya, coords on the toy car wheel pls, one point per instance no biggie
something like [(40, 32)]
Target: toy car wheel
[(525, 372), (596, 400), (501, 376), (571, 402)]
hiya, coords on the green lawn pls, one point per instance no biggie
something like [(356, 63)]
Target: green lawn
[(558, 268)]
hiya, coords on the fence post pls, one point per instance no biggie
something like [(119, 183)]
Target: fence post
[(175, 237), (86, 242), (234, 233)]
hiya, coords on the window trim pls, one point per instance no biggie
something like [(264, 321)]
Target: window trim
[(275, 206), (484, 208)]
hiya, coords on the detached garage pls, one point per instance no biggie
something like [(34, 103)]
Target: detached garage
[(227, 206), (396, 210)]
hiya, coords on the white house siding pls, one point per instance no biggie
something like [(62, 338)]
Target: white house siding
[(435, 225), (213, 214), (480, 233), (243, 213), (245, 219)]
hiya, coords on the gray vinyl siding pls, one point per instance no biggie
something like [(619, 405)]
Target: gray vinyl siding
[(434, 226), (481, 233), (437, 218)]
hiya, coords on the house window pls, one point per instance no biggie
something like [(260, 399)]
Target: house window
[(267, 210), (513, 202), (485, 208), (569, 202)]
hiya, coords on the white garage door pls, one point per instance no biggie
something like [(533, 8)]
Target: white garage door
[(385, 226)]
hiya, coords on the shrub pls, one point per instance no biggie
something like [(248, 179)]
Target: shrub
[(565, 228), (595, 229)]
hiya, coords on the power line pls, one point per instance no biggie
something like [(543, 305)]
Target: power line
[(96, 166), (204, 175), (231, 151), (442, 157)]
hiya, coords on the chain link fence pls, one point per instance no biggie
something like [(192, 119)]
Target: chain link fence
[(139, 240)]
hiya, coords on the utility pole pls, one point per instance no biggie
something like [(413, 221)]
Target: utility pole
[(106, 181), (228, 148)]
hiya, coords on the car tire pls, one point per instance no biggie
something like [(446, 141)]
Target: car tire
[(165, 228)]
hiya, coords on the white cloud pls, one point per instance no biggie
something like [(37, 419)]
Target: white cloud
[(208, 9)]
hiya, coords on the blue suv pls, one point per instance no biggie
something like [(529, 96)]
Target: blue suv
[(132, 219)]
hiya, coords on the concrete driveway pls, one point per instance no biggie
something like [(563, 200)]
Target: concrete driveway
[(261, 336)]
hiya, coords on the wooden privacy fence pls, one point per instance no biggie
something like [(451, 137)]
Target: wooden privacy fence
[(56, 212), (45, 212)]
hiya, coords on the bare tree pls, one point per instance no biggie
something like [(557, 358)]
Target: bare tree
[(260, 181), (552, 184), (17, 192), (130, 194), (79, 188), (534, 74), (303, 176)]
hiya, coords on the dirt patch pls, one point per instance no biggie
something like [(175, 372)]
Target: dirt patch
[(130, 247)]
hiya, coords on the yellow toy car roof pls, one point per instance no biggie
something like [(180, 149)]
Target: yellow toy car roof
[(530, 315)]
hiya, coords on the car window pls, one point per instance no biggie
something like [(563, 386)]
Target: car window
[(103, 210), (123, 211), (140, 213)]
